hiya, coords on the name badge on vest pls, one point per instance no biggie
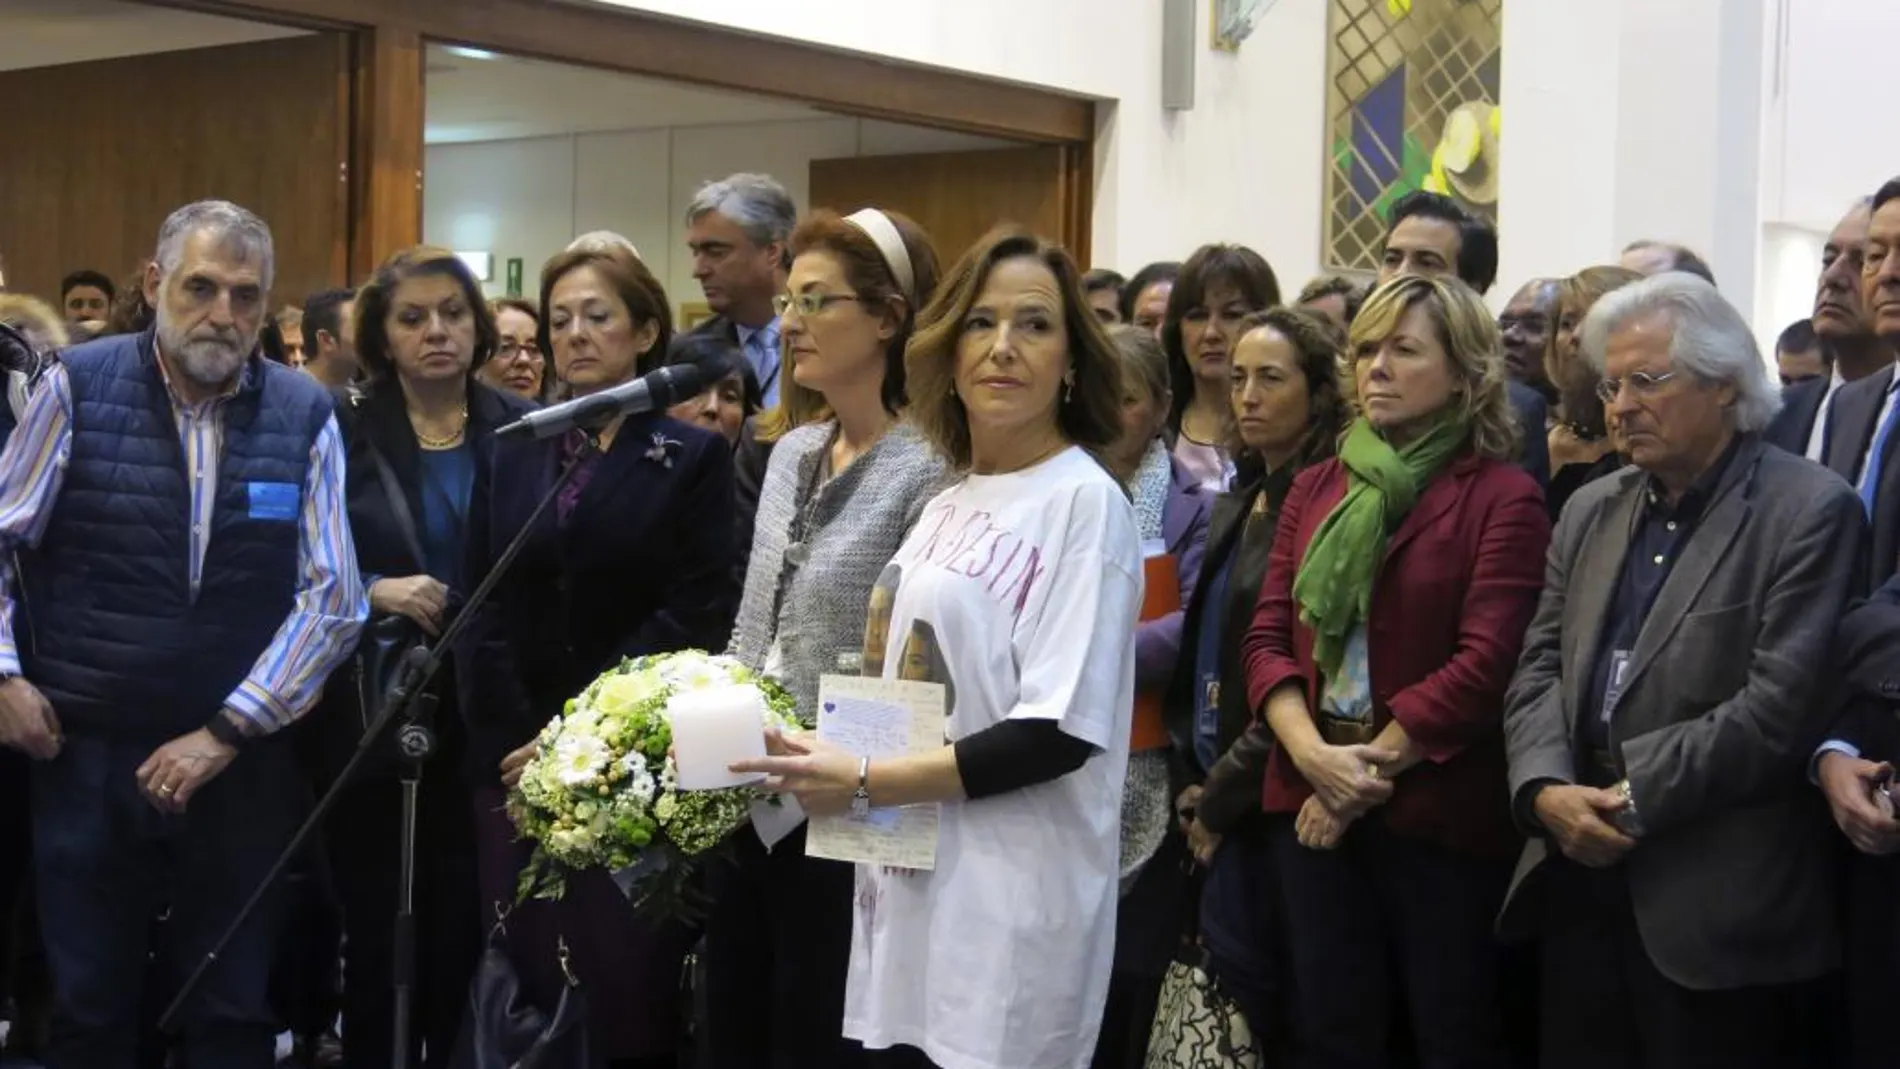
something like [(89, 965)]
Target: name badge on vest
[(1620, 661), (274, 501)]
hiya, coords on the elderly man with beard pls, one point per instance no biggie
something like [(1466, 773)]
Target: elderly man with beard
[(185, 584)]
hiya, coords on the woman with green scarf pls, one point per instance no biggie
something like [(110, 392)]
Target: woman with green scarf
[(1403, 575)]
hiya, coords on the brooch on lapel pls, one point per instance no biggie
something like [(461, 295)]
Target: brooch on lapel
[(663, 450)]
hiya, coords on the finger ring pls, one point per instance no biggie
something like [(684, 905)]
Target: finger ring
[(166, 790)]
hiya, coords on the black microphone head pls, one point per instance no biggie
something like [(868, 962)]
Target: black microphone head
[(674, 383)]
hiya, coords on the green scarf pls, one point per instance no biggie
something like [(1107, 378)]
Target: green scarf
[(1334, 586)]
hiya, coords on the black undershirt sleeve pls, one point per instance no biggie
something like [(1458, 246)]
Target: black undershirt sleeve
[(1013, 754)]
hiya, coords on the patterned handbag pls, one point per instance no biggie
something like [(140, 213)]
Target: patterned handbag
[(1196, 1026)]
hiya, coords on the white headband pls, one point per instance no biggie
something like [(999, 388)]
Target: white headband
[(883, 233)]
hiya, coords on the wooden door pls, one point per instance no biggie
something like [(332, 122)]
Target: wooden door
[(959, 196), (99, 153)]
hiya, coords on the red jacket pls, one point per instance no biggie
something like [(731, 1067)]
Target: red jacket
[(1450, 605)]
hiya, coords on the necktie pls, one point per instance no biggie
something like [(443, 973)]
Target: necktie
[(763, 356), (1870, 485)]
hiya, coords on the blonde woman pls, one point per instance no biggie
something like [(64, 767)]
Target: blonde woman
[(1400, 584), (1582, 447)]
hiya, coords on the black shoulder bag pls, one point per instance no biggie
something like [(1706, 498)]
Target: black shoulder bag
[(389, 637)]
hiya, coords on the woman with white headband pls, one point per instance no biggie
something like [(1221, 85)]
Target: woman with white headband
[(846, 482)]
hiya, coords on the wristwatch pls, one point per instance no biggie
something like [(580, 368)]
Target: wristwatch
[(223, 729), (861, 798), (1626, 819)]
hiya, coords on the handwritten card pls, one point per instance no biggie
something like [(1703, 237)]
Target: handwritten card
[(879, 718)]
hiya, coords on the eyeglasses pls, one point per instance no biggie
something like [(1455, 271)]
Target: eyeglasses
[(808, 304), (1641, 383), (509, 350)]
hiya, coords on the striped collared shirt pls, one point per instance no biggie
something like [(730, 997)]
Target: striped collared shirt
[(330, 605)]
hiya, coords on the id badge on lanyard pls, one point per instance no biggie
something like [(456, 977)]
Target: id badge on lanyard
[(1207, 717), (1620, 663)]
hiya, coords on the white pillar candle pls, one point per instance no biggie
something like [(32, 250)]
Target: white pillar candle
[(711, 730)]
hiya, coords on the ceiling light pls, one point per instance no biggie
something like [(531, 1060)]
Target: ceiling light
[(470, 53), (481, 264)]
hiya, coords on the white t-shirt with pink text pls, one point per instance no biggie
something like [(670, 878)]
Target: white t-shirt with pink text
[(1020, 593)]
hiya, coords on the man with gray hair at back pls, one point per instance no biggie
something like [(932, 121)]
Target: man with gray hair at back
[(176, 505), (1651, 258), (1680, 874), (739, 231)]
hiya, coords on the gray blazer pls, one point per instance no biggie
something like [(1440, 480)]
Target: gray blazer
[(1733, 880), (856, 523)]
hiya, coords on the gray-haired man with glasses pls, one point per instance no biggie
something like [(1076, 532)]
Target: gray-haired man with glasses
[(1680, 874)]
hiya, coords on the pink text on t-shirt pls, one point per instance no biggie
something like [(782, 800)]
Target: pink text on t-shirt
[(970, 544)]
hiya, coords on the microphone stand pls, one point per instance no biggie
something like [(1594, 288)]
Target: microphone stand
[(406, 703)]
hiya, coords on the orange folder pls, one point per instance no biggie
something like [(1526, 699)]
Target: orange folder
[(1160, 595)]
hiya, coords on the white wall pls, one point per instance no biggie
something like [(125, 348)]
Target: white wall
[(1790, 273), (1246, 164), (1830, 75), (1630, 119), (528, 198), (1823, 146)]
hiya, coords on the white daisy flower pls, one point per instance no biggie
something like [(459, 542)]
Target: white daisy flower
[(579, 758)]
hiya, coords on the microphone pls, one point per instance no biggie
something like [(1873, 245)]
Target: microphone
[(663, 388)]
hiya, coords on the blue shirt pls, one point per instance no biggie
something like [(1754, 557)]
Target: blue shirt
[(760, 345), (448, 476)]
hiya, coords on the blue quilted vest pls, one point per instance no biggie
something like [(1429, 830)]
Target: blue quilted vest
[(113, 636)]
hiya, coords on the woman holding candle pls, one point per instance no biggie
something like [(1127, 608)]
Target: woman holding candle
[(1400, 583), (1018, 589), (846, 481), (634, 558)]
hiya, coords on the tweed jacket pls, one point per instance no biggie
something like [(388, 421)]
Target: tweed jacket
[(1724, 703), (853, 526)]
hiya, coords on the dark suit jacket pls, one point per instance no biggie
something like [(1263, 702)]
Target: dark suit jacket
[(750, 458), (1868, 643), (1793, 425), (644, 566), (1733, 879), (1449, 607), (1533, 417), (1856, 421), (720, 326), (379, 420)]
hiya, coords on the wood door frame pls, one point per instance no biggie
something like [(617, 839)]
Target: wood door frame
[(387, 92), (634, 42)]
